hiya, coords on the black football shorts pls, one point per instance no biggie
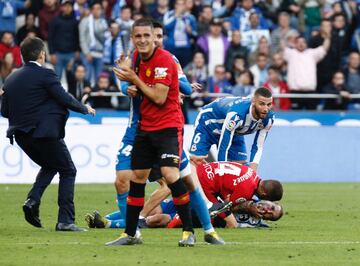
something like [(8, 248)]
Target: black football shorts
[(161, 147)]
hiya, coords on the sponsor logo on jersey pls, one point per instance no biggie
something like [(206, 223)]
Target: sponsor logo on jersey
[(148, 72), (160, 72), (231, 125), (209, 171), (260, 126)]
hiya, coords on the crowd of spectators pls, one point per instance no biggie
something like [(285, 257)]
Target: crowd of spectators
[(228, 46)]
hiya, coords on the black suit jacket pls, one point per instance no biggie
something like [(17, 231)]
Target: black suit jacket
[(35, 100)]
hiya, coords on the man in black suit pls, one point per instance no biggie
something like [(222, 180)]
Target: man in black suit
[(37, 108)]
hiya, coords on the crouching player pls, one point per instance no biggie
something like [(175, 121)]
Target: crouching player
[(230, 181)]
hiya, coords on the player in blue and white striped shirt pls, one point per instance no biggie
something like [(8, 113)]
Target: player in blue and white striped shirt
[(225, 121)]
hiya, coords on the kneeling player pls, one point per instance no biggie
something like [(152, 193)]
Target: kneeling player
[(231, 181)]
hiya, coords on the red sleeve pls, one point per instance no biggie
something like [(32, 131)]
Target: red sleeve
[(209, 194), (236, 194), (165, 70), (246, 189)]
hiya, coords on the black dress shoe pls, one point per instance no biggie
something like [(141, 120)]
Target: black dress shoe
[(69, 227), (31, 211)]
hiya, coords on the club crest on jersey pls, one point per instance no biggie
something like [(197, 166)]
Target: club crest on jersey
[(148, 72), (160, 72), (231, 125), (260, 126)]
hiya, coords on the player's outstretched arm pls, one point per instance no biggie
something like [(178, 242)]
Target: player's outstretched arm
[(197, 160), (91, 111)]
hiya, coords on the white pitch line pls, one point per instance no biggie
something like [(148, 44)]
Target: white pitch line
[(47, 243), (296, 243), (204, 243)]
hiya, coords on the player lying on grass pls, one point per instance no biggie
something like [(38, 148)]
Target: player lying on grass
[(165, 215), (226, 181), (230, 181)]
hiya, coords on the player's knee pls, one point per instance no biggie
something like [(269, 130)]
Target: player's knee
[(122, 181), (70, 171), (171, 174), (141, 175)]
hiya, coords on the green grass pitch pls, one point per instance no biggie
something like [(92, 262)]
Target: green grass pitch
[(321, 226)]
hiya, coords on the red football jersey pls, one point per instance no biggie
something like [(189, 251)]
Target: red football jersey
[(227, 178), (160, 68)]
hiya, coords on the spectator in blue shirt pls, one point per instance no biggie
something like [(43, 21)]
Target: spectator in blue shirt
[(218, 83), (8, 14), (180, 27)]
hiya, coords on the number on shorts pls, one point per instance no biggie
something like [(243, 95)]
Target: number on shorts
[(197, 138), (127, 150)]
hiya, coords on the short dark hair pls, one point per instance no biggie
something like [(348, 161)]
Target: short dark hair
[(325, 20), (125, 7), (6, 32), (261, 55), (111, 21), (157, 25), (300, 37), (143, 22), (205, 6), (96, 2), (31, 48), (273, 189), (262, 91), (79, 65), (274, 68), (338, 14)]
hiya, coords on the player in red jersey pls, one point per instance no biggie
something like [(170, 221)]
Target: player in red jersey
[(159, 135), (232, 181)]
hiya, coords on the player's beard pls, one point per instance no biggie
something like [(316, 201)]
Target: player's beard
[(258, 114)]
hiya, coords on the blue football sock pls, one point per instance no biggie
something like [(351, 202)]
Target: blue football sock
[(121, 201), (120, 223), (199, 206), (113, 216)]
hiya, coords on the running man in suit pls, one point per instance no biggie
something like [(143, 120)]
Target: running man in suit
[(37, 108)]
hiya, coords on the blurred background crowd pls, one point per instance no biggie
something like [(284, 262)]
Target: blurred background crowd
[(228, 46)]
